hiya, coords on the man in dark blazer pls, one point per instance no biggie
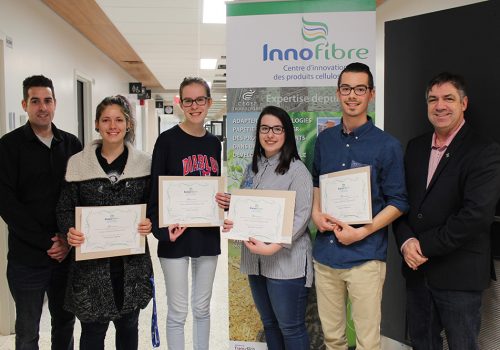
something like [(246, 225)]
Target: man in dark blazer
[(453, 182)]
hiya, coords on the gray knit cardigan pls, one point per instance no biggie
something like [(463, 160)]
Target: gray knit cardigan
[(89, 293)]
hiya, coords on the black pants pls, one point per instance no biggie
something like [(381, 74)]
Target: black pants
[(28, 285), (126, 338), (430, 310)]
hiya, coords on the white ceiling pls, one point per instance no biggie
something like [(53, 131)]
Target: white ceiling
[(170, 38)]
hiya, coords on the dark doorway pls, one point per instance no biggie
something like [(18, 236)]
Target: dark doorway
[(462, 40), (80, 107)]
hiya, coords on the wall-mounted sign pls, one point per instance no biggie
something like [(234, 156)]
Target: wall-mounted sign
[(134, 88), (158, 104), (9, 42), (145, 95)]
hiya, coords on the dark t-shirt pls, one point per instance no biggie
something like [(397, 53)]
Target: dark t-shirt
[(177, 153), (116, 167)]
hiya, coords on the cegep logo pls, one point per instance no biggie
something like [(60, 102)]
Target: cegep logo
[(248, 95), (323, 50)]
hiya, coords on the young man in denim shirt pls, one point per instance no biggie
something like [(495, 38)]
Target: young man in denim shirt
[(349, 261)]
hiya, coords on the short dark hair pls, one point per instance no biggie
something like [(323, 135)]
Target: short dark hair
[(289, 150), (194, 80), (357, 67), (37, 81), (124, 104), (445, 77)]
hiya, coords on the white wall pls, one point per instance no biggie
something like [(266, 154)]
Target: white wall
[(397, 9), (43, 43)]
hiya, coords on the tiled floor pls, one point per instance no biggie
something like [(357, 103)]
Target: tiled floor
[(219, 329), (219, 313)]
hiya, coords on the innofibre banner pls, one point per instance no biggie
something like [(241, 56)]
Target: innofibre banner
[(287, 54)]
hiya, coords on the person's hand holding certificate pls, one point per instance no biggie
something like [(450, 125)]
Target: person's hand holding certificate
[(346, 195), (110, 231), (264, 215)]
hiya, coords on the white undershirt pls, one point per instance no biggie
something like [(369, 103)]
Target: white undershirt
[(47, 141)]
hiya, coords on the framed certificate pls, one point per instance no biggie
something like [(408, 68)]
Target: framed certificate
[(190, 201), (110, 231), (346, 195), (262, 214)]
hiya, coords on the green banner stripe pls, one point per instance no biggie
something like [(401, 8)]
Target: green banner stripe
[(298, 6)]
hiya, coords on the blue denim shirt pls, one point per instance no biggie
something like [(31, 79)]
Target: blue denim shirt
[(367, 145)]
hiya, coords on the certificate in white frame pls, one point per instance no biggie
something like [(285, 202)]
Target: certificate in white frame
[(190, 201), (346, 195), (265, 215), (110, 231)]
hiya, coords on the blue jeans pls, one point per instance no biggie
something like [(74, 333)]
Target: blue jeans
[(430, 310), (282, 308), (28, 286), (126, 336)]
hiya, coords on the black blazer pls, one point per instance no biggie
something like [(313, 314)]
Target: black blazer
[(452, 217)]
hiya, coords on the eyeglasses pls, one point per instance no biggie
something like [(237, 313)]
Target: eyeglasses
[(200, 101), (277, 130), (359, 90)]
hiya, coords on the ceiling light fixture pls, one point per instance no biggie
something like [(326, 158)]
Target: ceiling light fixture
[(214, 11)]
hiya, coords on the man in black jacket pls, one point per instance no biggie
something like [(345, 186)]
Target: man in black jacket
[(33, 159), (453, 182)]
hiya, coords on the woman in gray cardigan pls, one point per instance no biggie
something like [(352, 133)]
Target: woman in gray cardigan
[(109, 171), (279, 274)]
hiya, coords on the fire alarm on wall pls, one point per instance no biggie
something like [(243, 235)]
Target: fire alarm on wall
[(168, 109)]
